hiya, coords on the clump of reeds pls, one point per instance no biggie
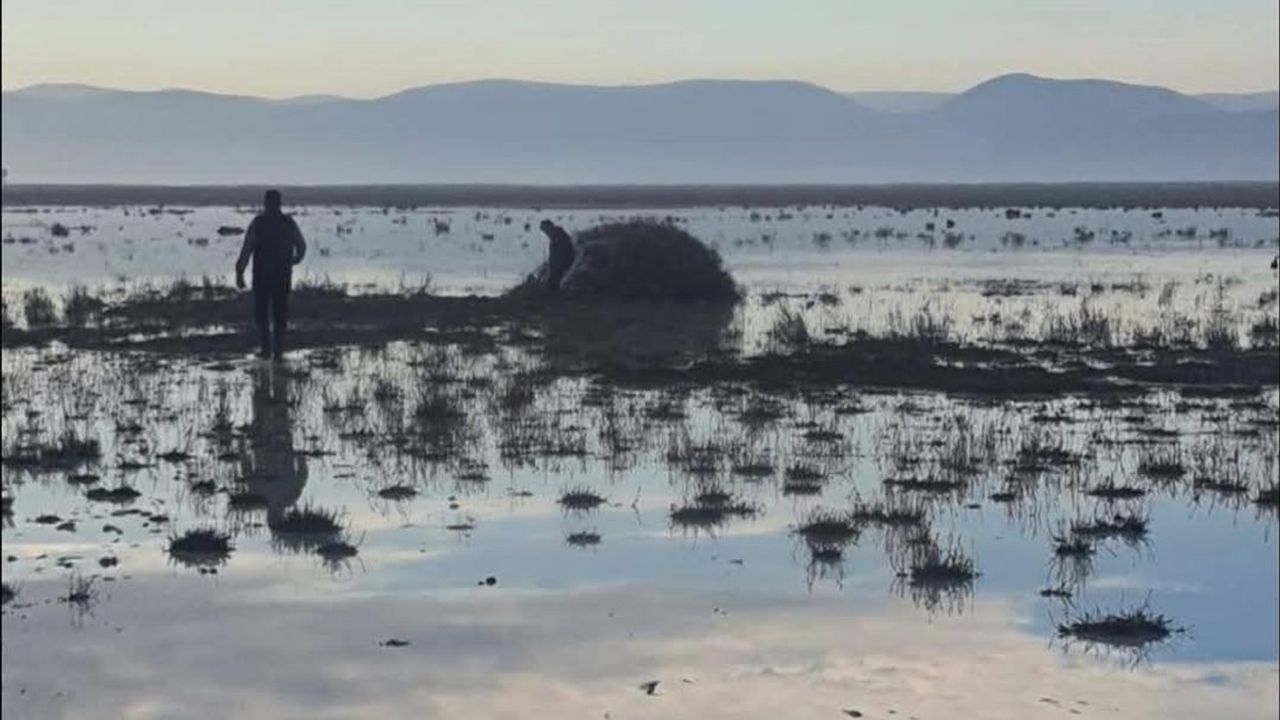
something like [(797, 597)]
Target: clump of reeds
[(120, 494), (1111, 491), (306, 520), (1134, 629), (580, 498), (397, 492), (201, 547), (823, 526), (1128, 527)]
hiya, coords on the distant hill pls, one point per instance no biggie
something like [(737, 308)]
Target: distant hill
[(1012, 128), (1243, 101), (912, 101)]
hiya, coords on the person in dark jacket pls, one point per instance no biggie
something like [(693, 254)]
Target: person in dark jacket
[(275, 244), (561, 253)]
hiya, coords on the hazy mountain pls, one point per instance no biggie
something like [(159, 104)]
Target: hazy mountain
[(1243, 101), (1012, 128), (914, 101)]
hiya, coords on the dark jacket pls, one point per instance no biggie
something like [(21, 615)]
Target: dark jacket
[(275, 244)]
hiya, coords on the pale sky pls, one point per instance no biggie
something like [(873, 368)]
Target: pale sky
[(281, 48)]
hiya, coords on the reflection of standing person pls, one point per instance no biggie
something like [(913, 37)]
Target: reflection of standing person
[(275, 244), (273, 469), (561, 253)]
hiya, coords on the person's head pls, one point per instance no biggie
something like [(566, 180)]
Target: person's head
[(271, 200), (546, 225)]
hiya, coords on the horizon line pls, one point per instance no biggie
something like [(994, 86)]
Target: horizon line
[(476, 81)]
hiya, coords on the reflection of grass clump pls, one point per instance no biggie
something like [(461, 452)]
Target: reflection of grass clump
[(336, 552), (585, 538)]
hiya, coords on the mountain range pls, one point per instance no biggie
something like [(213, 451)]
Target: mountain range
[(1013, 128)]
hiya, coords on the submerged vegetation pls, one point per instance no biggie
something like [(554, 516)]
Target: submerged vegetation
[(844, 430)]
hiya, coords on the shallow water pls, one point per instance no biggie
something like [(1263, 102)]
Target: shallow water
[(735, 617)]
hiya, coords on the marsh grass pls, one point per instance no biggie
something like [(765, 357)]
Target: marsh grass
[(1135, 629), (38, 309), (1268, 497), (81, 590), (1069, 546), (1131, 528), (888, 514), (69, 450), (306, 520), (789, 332), (121, 494), (1110, 491), (398, 492), (823, 527), (934, 566), (1162, 463), (938, 577), (81, 307), (201, 547), (709, 510), (580, 498)]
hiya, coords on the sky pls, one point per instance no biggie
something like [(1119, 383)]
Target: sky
[(370, 48)]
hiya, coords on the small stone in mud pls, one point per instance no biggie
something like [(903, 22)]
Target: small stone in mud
[(112, 529), (394, 643), (490, 581), (48, 519), (650, 687), (108, 561), (852, 713), (68, 526)]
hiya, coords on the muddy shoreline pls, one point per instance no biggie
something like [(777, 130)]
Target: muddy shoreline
[(644, 344)]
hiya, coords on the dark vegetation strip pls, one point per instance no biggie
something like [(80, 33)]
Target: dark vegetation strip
[(1128, 195)]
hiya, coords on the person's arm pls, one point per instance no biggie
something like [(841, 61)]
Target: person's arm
[(246, 252), (299, 243)]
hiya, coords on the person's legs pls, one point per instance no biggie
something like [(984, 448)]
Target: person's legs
[(280, 317), (262, 298)]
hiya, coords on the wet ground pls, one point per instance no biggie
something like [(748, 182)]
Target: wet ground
[(433, 527)]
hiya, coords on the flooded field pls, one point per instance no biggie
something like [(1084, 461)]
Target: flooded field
[(1013, 462)]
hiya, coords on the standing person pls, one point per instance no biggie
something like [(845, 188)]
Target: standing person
[(275, 244), (561, 253)]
